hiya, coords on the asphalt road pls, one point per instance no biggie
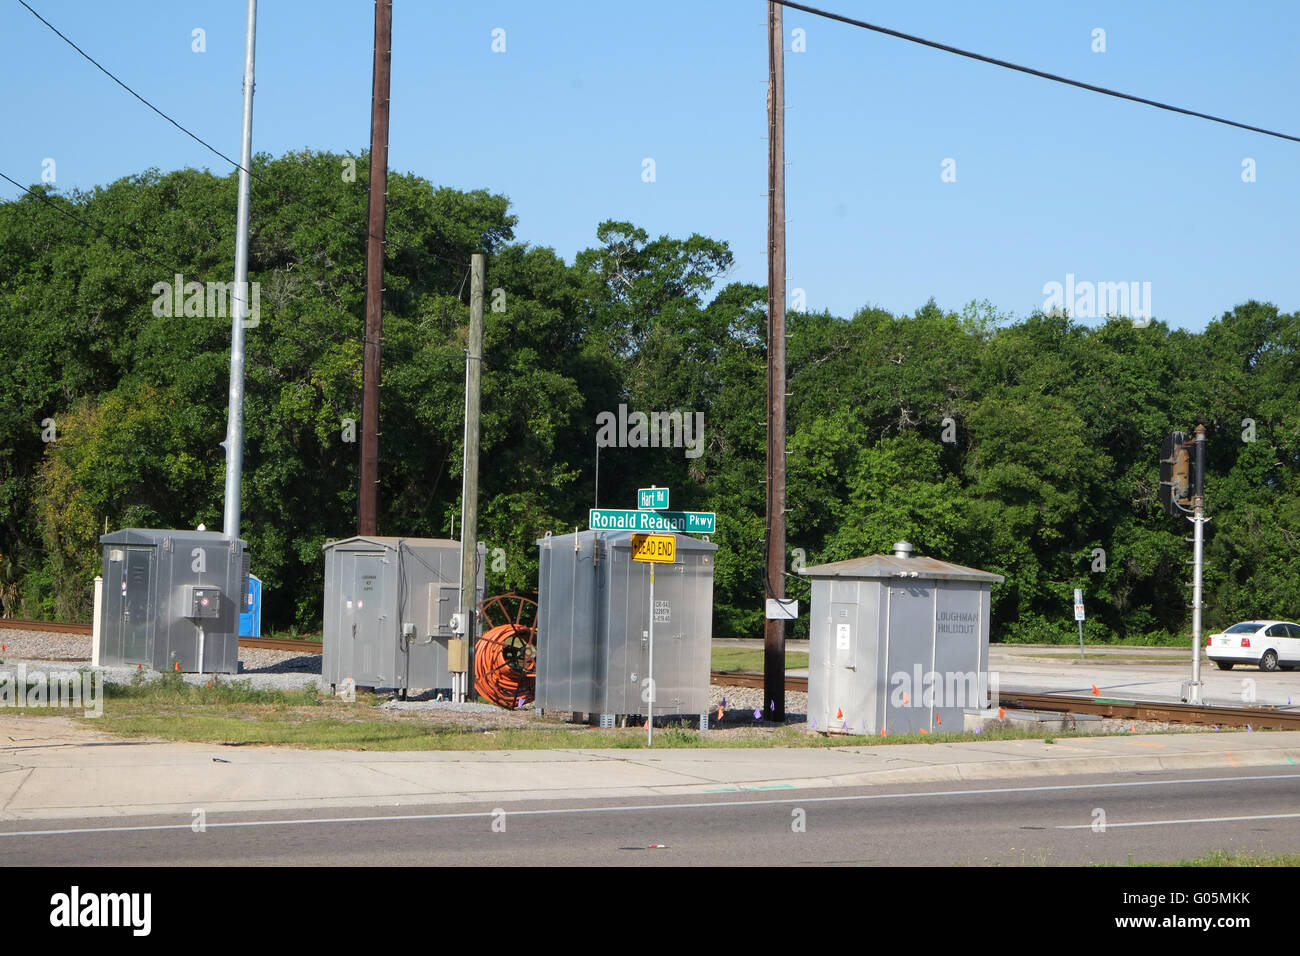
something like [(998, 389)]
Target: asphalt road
[(1039, 821)]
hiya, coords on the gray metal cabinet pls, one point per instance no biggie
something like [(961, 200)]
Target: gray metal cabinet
[(897, 644), (594, 612), (171, 600), (387, 610)]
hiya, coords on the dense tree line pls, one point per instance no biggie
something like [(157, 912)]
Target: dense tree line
[(1020, 446)]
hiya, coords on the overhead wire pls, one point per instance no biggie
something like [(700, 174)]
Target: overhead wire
[(1031, 71), (75, 218)]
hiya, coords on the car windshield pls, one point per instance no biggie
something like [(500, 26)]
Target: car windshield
[(1249, 627)]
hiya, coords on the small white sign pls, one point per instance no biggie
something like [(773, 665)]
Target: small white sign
[(842, 637), (782, 609), (1078, 604)]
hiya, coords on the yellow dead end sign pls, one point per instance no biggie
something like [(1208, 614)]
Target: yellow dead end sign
[(660, 548)]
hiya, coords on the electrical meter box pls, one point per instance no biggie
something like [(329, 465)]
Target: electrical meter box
[(389, 605), (897, 644), (594, 612), (205, 602), (171, 599)]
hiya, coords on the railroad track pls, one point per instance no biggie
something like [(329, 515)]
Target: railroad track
[(53, 627), (264, 643), (1257, 718), (737, 679), (281, 644)]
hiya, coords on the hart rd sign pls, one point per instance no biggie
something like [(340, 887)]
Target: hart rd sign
[(686, 522)]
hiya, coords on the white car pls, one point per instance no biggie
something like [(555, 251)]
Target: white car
[(1270, 644)]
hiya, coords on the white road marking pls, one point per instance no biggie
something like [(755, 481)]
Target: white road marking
[(1171, 823), (554, 811)]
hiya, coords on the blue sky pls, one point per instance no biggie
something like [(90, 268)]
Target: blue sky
[(1050, 181)]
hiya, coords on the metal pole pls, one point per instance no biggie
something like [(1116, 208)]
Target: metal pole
[(1198, 543), (774, 630), (650, 705), (367, 493), (239, 305), (469, 479), (1081, 654)]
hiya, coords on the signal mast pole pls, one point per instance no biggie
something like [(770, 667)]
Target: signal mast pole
[(1198, 550)]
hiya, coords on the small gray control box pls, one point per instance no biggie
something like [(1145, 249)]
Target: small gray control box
[(204, 601)]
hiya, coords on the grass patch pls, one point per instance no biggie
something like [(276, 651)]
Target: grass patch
[(233, 714), (1234, 859), (746, 660)]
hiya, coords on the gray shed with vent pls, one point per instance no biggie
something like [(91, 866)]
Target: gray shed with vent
[(388, 608), (593, 624), (898, 644), (172, 599)]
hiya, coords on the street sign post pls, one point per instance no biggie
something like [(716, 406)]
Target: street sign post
[(684, 522), (655, 549)]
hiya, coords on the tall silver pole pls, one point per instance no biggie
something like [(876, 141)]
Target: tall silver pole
[(1194, 691), (239, 306), (1198, 544)]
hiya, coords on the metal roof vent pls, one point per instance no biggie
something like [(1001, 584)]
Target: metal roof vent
[(902, 549)]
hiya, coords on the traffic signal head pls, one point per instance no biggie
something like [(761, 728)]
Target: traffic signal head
[(1176, 478)]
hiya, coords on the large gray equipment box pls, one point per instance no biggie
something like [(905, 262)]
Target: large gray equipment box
[(593, 622), (172, 599), (897, 644), (388, 608)]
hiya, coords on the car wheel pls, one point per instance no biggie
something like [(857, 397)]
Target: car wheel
[(1225, 665), (1269, 661)]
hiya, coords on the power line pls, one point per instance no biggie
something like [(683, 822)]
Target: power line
[(280, 194), (1055, 78), (116, 242), (108, 74)]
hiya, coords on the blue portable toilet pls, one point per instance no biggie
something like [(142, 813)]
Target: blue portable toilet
[(250, 618)]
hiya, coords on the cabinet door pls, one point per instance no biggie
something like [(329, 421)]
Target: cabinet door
[(137, 606)]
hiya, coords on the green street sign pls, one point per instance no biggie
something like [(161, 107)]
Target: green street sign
[(685, 522), (652, 499)]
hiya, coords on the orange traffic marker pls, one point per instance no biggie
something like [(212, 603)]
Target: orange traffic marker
[(178, 667), (839, 713), (938, 719), (1095, 692), (1002, 713), (924, 731), (882, 731), (906, 700)]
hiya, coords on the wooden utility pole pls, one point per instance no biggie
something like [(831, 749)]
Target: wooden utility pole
[(469, 485), (774, 630), (368, 492)]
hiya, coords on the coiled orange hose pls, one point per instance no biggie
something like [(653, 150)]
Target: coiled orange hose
[(505, 665)]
